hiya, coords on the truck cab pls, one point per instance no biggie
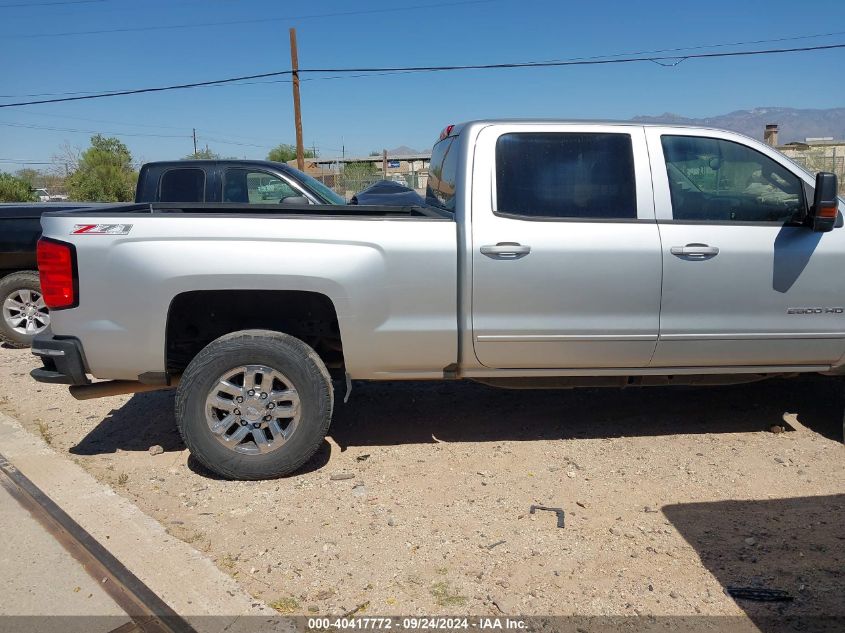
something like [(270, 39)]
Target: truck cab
[(604, 246)]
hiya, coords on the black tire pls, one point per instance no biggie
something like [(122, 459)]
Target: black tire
[(284, 353), (9, 285)]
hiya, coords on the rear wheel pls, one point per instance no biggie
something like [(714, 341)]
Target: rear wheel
[(23, 313), (254, 404)]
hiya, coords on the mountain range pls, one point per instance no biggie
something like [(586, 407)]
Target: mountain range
[(793, 124)]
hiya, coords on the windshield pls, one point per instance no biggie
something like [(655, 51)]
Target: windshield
[(328, 196)]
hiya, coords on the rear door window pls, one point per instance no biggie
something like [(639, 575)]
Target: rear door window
[(182, 185), (552, 175)]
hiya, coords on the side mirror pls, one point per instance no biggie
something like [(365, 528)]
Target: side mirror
[(825, 203), (294, 200)]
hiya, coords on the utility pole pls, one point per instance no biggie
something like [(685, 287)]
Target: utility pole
[(297, 113), (195, 142), (384, 163)]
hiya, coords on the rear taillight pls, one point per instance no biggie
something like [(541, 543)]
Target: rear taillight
[(57, 269)]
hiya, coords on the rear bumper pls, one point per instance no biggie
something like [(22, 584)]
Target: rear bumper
[(63, 360)]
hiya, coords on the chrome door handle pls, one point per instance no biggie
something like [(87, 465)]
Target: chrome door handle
[(505, 250), (695, 251)]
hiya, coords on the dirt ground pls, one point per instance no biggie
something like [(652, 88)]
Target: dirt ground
[(670, 494)]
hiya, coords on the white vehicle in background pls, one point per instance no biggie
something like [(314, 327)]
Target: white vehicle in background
[(45, 196)]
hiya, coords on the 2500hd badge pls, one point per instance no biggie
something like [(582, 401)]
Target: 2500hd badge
[(815, 310)]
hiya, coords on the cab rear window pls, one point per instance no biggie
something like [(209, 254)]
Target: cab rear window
[(442, 174)]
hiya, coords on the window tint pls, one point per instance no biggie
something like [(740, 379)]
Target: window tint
[(255, 187), (182, 185), (442, 174), (565, 175), (716, 180)]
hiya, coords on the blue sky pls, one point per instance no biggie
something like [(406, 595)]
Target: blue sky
[(407, 109)]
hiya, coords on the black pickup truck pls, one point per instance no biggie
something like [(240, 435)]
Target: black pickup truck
[(22, 310)]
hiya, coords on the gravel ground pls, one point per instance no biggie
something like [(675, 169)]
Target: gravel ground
[(418, 502)]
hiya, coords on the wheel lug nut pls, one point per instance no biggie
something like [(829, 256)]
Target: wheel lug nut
[(267, 418), (271, 406), (239, 399), (256, 425), (263, 396), (237, 411), (251, 392)]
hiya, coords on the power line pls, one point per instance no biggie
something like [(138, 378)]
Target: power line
[(226, 142), (698, 47), (222, 141), (48, 4), (143, 90), (379, 74), (27, 162), (76, 130), (145, 125), (193, 25), (674, 60)]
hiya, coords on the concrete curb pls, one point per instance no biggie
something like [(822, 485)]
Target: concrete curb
[(183, 577)]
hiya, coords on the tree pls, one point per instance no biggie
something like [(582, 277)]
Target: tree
[(104, 173), (203, 154), (14, 189), (283, 152), (30, 176), (67, 160), (37, 179)]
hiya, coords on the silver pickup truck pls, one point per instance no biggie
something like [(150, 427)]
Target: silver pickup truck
[(549, 254)]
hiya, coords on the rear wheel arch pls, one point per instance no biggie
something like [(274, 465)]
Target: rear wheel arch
[(198, 317)]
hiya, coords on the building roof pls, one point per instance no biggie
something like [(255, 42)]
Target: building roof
[(810, 142), (370, 159)]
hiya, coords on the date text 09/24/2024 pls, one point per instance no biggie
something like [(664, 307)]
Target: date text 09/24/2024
[(416, 623)]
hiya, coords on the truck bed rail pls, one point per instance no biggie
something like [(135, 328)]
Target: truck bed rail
[(214, 209)]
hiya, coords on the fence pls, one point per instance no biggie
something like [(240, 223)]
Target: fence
[(350, 178), (822, 159)]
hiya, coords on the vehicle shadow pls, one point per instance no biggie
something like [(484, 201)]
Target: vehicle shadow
[(795, 545), (147, 419), (403, 413), (395, 413)]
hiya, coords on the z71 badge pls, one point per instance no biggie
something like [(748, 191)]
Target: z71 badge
[(101, 229), (815, 310)]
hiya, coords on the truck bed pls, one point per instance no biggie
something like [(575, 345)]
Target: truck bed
[(388, 275)]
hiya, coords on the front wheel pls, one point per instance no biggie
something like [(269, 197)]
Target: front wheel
[(23, 313), (254, 404)]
